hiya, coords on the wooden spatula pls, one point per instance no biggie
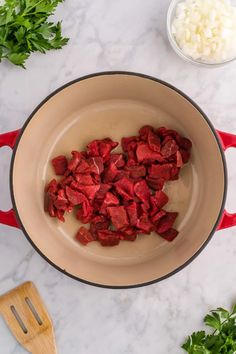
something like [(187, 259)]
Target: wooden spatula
[(28, 319)]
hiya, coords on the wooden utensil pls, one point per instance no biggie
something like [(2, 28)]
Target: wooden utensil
[(28, 319)]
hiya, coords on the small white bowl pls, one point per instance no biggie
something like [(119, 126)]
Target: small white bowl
[(175, 46)]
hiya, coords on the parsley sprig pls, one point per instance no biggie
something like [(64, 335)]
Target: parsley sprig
[(24, 28), (222, 340)]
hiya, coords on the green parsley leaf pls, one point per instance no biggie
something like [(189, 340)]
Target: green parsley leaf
[(46, 30), (19, 34), (196, 338), (234, 309), (213, 321), (223, 338), (18, 58), (24, 29)]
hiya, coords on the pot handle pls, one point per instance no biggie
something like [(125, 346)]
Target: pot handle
[(9, 139), (227, 140)]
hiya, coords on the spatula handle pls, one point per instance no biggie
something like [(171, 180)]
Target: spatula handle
[(43, 344), (44, 351)]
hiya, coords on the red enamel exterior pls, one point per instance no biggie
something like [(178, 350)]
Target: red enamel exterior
[(227, 140), (9, 139)]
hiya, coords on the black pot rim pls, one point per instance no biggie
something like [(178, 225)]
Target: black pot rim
[(145, 77)]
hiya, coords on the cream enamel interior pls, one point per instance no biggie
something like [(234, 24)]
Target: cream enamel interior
[(114, 106)]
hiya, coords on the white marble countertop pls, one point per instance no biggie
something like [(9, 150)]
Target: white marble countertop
[(118, 35)]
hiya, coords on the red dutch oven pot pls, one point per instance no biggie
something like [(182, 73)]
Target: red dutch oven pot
[(117, 104)]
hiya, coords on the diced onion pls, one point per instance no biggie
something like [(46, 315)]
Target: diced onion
[(205, 30)]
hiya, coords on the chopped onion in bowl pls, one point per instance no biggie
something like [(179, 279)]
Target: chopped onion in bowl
[(205, 30)]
